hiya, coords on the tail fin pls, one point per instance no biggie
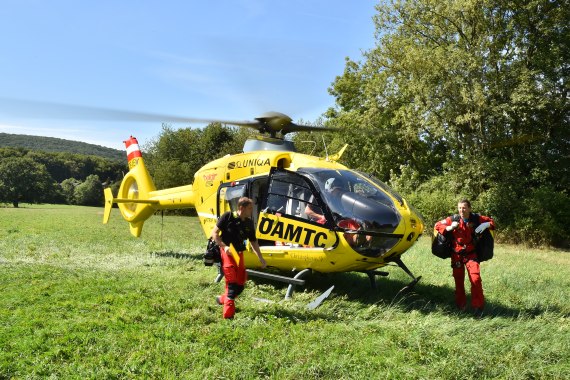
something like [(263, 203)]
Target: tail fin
[(336, 157), (138, 198), (108, 204), (134, 193)]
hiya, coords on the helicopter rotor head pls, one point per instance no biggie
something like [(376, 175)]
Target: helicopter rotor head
[(273, 122), (277, 122)]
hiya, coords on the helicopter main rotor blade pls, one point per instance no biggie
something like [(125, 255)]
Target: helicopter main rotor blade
[(309, 128), (270, 122), (31, 109)]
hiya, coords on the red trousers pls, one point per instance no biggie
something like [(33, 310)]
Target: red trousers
[(459, 263), (235, 277)]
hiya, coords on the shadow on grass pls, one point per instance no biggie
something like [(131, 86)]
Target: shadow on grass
[(178, 255), (356, 287), (423, 297)]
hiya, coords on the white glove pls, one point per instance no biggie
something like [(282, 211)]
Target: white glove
[(453, 226), (482, 227)]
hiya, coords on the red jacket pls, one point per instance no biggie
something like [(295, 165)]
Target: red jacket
[(463, 234)]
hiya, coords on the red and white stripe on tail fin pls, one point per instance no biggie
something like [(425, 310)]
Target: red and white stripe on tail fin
[(135, 191), (133, 150)]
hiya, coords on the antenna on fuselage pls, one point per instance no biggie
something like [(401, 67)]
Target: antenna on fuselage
[(326, 151), (310, 142)]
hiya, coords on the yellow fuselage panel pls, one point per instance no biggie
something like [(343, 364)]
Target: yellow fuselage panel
[(282, 229), (173, 198), (340, 259), (239, 167), (303, 245), (298, 244)]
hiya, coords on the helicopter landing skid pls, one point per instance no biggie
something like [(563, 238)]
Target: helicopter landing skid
[(372, 276), (298, 276), (415, 279), (292, 281), (275, 277)]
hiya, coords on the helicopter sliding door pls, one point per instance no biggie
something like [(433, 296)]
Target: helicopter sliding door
[(284, 219), (257, 191), (289, 194)]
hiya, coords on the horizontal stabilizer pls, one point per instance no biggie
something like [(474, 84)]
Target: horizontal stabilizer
[(127, 200), (108, 204)]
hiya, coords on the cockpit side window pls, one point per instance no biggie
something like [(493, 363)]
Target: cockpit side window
[(229, 197), (290, 194), (384, 187), (364, 209), (334, 182)]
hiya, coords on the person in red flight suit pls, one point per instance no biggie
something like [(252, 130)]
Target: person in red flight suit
[(464, 255), (235, 228)]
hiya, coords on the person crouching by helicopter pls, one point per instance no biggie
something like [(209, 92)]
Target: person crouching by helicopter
[(463, 254), (235, 228)]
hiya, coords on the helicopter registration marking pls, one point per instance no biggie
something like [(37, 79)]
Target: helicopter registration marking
[(306, 257), (248, 163), (209, 179), (134, 162), (272, 227)]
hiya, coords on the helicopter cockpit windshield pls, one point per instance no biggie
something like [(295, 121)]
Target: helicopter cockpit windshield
[(339, 199)]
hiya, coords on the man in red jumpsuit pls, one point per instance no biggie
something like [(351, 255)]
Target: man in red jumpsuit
[(463, 253), (234, 228)]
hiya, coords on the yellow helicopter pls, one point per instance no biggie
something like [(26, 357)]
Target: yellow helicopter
[(312, 214)]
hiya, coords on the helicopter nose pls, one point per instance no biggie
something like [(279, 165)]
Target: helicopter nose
[(380, 216), (387, 217), (416, 220)]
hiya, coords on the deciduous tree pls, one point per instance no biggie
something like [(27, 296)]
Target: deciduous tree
[(23, 180), (175, 155), (475, 91)]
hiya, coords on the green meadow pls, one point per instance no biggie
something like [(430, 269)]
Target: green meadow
[(83, 300)]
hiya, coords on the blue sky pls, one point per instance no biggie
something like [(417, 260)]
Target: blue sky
[(230, 60)]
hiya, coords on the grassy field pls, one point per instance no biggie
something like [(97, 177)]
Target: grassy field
[(84, 300)]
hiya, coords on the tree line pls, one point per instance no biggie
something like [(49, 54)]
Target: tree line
[(65, 178), (460, 99), (175, 155), (56, 145), (36, 176), (466, 99)]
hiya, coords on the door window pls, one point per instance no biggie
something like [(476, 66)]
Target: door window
[(229, 197), (290, 194)]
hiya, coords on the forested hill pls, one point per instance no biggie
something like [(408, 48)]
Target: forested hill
[(52, 144)]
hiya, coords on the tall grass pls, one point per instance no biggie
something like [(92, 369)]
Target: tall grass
[(84, 300)]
